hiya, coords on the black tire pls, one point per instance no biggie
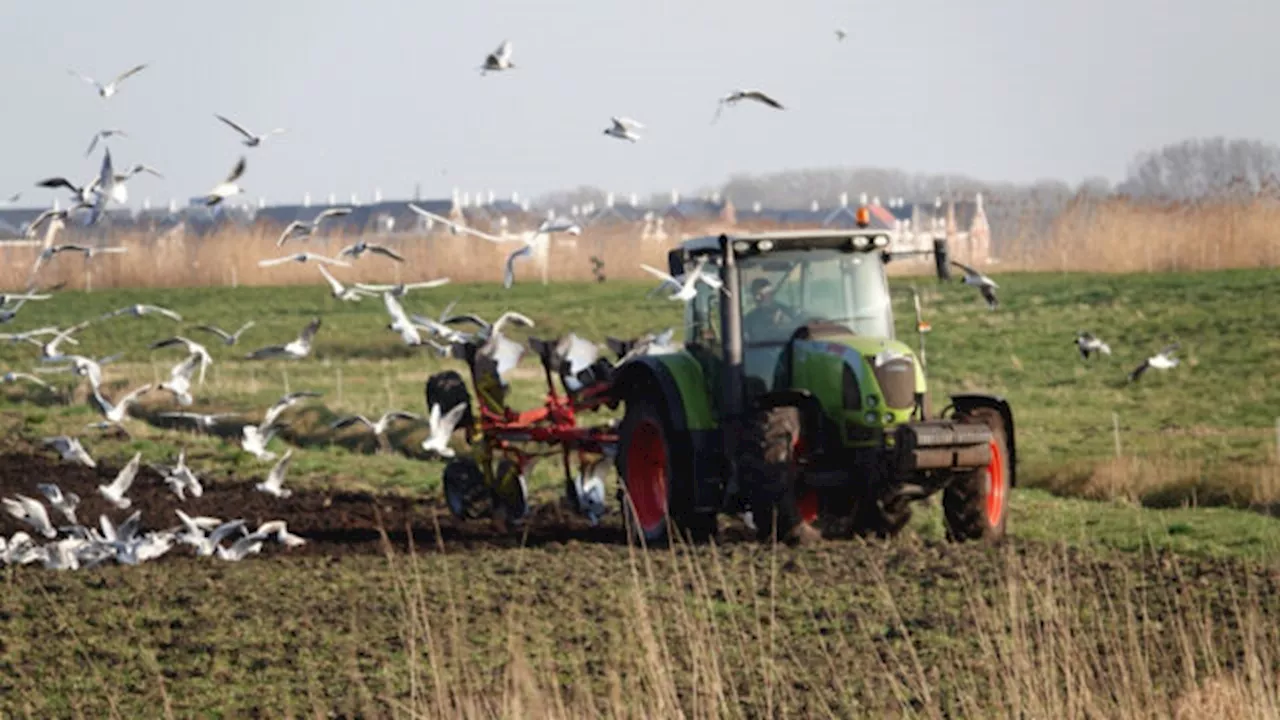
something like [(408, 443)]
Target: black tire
[(511, 493), (448, 389), (876, 519), (645, 453), (465, 491), (965, 505), (769, 470)]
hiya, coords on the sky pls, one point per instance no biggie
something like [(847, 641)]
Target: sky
[(381, 95)]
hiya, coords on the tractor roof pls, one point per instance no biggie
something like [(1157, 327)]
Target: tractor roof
[(786, 240)]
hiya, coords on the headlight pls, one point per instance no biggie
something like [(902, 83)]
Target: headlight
[(888, 418), (882, 241), (872, 401), (861, 242), (872, 418), (764, 245)]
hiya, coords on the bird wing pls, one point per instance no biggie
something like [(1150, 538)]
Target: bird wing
[(350, 420), (133, 394), (450, 421), (330, 212), (276, 261), (124, 480), (289, 230), (338, 288), (395, 309), (129, 73), (623, 123), (761, 97), (381, 250), (659, 274), (329, 260), (503, 52), (215, 330), (163, 311), (186, 368), (235, 126), (309, 331), (84, 77), (276, 477), (237, 171)]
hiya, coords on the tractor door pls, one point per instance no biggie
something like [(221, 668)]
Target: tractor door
[(702, 334)]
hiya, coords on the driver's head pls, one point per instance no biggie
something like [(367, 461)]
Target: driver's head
[(761, 290)]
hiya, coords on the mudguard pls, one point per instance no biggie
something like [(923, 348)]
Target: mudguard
[(969, 401)]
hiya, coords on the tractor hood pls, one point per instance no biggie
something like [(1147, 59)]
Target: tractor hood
[(867, 380)]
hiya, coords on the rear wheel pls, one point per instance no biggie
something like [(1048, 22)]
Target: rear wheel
[(778, 507), (656, 495), (976, 504), (465, 491)]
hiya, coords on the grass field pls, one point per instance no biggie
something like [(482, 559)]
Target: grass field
[(1096, 606)]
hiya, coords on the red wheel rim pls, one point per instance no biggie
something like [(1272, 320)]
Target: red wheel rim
[(995, 486), (647, 475)]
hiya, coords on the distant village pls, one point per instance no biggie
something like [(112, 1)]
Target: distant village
[(911, 226)]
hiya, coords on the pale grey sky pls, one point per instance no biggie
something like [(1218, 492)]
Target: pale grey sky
[(387, 94)]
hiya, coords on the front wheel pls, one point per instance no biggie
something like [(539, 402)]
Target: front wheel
[(976, 504), (657, 495)]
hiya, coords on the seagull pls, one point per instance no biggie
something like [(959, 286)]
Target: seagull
[(83, 366), (740, 95), (442, 428), (109, 89), (116, 413), (49, 350), (64, 503), (281, 531), (193, 348), (274, 484), (179, 382), (70, 449), (6, 298), (301, 258), (33, 513), (509, 270), (240, 549), (1088, 343), (83, 195), (250, 140), (13, 377), (841, 34), (402, 289), (499, 59), (103, 135), (194, 533), (340, 291), (48, 253), (140, 310), (180, 478), (588, 491), (302, 229), (1163, 360), (686, 290), (56, 219), (206, 422), (227, 188), (400, 321), (982, 282), (624, 129), (378, 428), (228, 339), (361, 247), (254, 441), (115, 492), (14, 197), (285, 402), (297, 348)]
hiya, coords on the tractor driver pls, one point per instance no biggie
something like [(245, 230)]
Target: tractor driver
[(769, 318)]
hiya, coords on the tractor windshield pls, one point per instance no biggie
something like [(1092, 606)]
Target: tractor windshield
[(783, 290)]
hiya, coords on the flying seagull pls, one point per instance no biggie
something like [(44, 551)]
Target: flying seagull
[(274, 484), (379, 428), (297, 348), (301, 258), (192, 347), (285, 402), (64, 503), (686, 289), (228, 339), (70, 449), (12, 377), (250, 139), (206, 422), (31, 512), (985, 284), (139, 310), (841, 34), (442, 428), (499, 59), (340, 291), (227, 188), (401, 289), (1163, 360), (739, 95), (400, 321), (302, 228), (102, 135), (109, 89), (624, 129), (115, 413), (360, 247), (179, 382), (1089, 344), (115, 492)]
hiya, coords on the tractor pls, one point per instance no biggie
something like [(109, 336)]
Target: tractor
[(792, 400)]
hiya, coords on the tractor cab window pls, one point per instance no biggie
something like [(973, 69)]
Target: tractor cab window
[(702, 320), (784, 290)]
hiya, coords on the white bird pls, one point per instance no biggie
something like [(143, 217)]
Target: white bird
[(49, 351), (302, 228), (281, 531), (56, 219), (6, 298), (285, 402), (379, 428), (401, 289), (193, 348), (31, 512), (254, 441), (340, 291), (249, 139), (301, 258), (1163, 360), (588, 487), (70, 449), (297, 348), (107, 90), (441, 429), (82, 367), (985, 285), (140, 310), (228, 339), (102, 135), (274, 484), (624, 129), (509, 268), (499, 59), (64, 502), (116, 413), (12, 377), (206, 422), (227, 188), (194, 533), (1089, 343), (115, 492), (360, 247), (179, 382), (686, 289), (400, 321), (240, 549), (740, 95), (180, 478)]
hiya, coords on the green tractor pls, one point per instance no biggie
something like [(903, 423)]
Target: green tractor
[(791, 399)]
